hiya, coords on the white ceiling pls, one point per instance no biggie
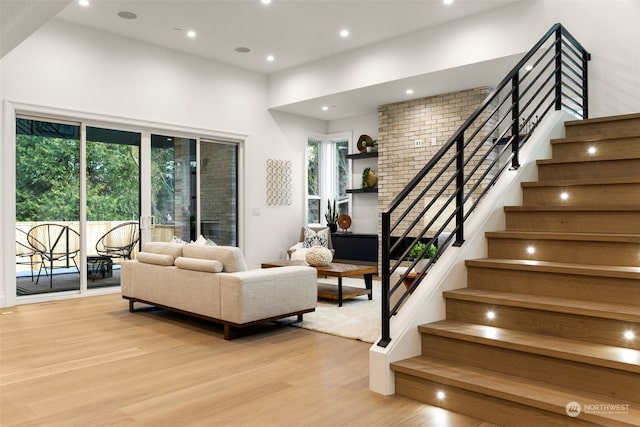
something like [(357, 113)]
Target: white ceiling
[(296, 32)]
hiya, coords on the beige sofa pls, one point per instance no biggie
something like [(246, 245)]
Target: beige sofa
[(213, 282)]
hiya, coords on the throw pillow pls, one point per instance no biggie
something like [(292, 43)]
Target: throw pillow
[(312, 238), (157, 259), (195, 264)]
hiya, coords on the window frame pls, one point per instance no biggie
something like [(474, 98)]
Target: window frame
[(327, 183)]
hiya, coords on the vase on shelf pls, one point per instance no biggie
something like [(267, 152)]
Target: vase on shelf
[(333, 227)]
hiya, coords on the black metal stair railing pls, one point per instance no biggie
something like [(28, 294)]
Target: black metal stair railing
[(433, 207)]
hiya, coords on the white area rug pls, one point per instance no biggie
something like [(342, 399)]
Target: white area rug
[(358, 318)]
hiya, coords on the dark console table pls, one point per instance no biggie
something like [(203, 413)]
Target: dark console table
[(355, 246)]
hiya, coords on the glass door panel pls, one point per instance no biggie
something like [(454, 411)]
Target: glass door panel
[(113, 203), (173, 188), (219, 192), (47, 207)]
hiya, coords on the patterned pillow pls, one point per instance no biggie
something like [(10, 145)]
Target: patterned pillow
[(311, 238)]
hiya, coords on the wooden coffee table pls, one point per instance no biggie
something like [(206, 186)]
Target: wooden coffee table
[(338, 270)]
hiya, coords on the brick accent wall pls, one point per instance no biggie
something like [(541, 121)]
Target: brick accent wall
[(400, 124)]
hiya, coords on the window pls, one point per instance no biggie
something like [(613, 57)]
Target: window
[(327, 176)]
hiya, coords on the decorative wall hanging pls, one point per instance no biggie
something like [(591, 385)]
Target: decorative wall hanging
[(278, 182)]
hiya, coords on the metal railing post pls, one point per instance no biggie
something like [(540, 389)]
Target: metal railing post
[(459, 191), (386, 288), (558, 73), (515, 121)]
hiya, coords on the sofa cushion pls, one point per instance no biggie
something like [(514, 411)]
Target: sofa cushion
[(195, 264), (153, 258), (230, 256), (164, 248), (316, 238)]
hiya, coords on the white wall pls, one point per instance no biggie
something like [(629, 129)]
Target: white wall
[(364, 207), (73, 68), (608, 29)]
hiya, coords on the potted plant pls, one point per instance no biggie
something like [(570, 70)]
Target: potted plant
[(331, 215), (420, 251), (371, 145)]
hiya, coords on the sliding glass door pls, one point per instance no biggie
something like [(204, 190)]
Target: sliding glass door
[(87, 196), (112, 201), (47, 206)]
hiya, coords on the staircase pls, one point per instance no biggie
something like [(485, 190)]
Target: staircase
[(538, 336)]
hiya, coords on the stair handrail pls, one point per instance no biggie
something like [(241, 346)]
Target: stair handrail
[(568, 84)]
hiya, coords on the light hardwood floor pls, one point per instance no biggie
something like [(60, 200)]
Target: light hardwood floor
[(89, 362)]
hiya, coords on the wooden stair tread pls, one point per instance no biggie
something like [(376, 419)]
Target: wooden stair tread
[(528, 392), (593, 138), (556, 208), (598, 159), (604, 119), (546, 345), (582, 237), (575, 182), (605, 310), (618, 272)]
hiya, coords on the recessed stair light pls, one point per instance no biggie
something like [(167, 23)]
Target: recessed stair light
[(531, 250), (564, 196), (325, 108), (409, 91), (440, 395), (83, 3), (191, 34), (265, 1), (528, 68), (344, 33), (629, 335), (491, 315), (447, 2), (592, 150), (271, 58)]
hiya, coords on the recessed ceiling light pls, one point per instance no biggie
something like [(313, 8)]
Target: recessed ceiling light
[(409, 91), (447, 2), (191, 34), (325, 108), (271, 58), (242, 49), (84, 3), (344, 33), (127, 15)]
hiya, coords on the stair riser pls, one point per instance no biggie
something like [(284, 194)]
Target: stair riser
[(573, 326), (580, 252), (622, 148), (609, 382), (589, 170), (478, 405), (622, 126), (583, 195), (623, 222), (601, 289)]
